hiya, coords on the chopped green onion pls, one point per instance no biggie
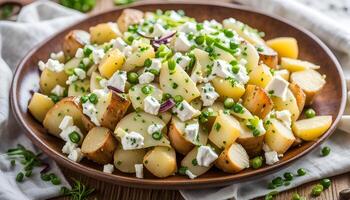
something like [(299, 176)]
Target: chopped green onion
[(157, 135), (74, 137), (93, 98)]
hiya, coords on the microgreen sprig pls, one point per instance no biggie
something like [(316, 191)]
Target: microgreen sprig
[(79, 191)]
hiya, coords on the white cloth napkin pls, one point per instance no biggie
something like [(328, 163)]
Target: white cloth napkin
[(330, 21), (35, 23)]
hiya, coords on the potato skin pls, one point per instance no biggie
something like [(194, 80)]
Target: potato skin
[(268, 56), (253, 145), (299, 95), (257, 101), (104, 153), (225, 163), (115, 111), (72, 42), (177, 139), (129, 17)]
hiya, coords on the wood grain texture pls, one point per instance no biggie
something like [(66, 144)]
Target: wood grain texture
[(109, 191)]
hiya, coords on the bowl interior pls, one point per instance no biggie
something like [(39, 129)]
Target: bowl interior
[(330, 101)]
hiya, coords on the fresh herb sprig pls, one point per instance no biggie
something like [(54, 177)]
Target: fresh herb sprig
[(79, 191)]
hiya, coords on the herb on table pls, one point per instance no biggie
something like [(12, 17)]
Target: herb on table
[(79, 191), (81, 5), (296, 196), (271, 195), (317, 190)]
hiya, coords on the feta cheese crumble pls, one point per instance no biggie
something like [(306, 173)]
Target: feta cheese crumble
[(69, 147), (188, 27), (132, 140), (146, 77), (108, 168), (139, 170), (52, 65), (182, 43), (119, 44), (97, 55), (72, 79), (222, 69), (66, 122), (80, 73), (90, 110), (191, 132), (118, 80), (285, 117), (79, 53), (185, 111), (151, 105), (271, 157), (205, 156), (57, 56), (208, 94), (190, 174), (76, 155), (278, 87), (67, 131), (183, 61), (156, 65), (58, 90), (154, 128), (158, 31)]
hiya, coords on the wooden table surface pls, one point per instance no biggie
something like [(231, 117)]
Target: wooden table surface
[(106, 191)]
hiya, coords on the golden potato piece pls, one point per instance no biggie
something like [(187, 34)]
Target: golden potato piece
[(39, 105), (74, 40), (279, 137), (177, 138), (111, 62), (299, 95), (161, 161), (225, 88), (104, 32), (268, 56), (312, 128), (66, 106), (125, 160), (294, 65), (252, 144), (129, 17), (284, 46), (289, 103), (49, 79), (257, 101), (99, 145), (260, 76), (310, 81), (187, 161), (233, 159), (79, 88)]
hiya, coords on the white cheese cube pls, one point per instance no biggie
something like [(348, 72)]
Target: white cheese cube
[(208, 94), (190, 174), (158, 31), (271, 157), (119, 44), (278, 87), (58, 90), (188, 27), (285, 117), (191, 132), (41, 65), (54, 65), (146, 77), (132, 140), (139, 170), (118, 80), (71, 79), (108, 168), (90, 110), (80, 73), (69, 147), (76, 155), (185, 111), (127, 51), (183, 61), (57, 56), (175, 16), (156, 65), (66, 122), (154, 128), (151, 105), (79, 53), (222, 69), (182, 43), (205, 156), (86, 61)]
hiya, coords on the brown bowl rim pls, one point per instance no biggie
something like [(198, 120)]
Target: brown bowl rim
[(161, 183)]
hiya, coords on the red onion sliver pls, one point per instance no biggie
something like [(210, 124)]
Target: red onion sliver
[(114, 89), (167, 105)]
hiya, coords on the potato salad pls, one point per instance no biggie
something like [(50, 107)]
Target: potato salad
[(163, 93)]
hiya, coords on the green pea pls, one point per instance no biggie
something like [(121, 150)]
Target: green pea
[(228, 33), (45, 177), (147, 89), (256, 162), (171, 64), (237, 108), (133, 77), (199, 39), (166, 96), (277, 181), (74, 137), (154, 72), (325, 151), (148, 62), (202, 119), (310, 113), (235, 69), (93, 98), (19, 177), (229, 103), (288, 176), (55, 181), (157, 135), (178, 98), (301, 172), (325, 183), (317, 190)]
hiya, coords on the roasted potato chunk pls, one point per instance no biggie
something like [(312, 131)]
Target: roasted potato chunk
[(257, 101), (233, 159), (99, 145), (129, 17), (299, 95), (311, 129), (252, 144), (74, 40), (268, 56)]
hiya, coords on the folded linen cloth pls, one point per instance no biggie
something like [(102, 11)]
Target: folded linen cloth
[(36, 22), (330, 21)]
